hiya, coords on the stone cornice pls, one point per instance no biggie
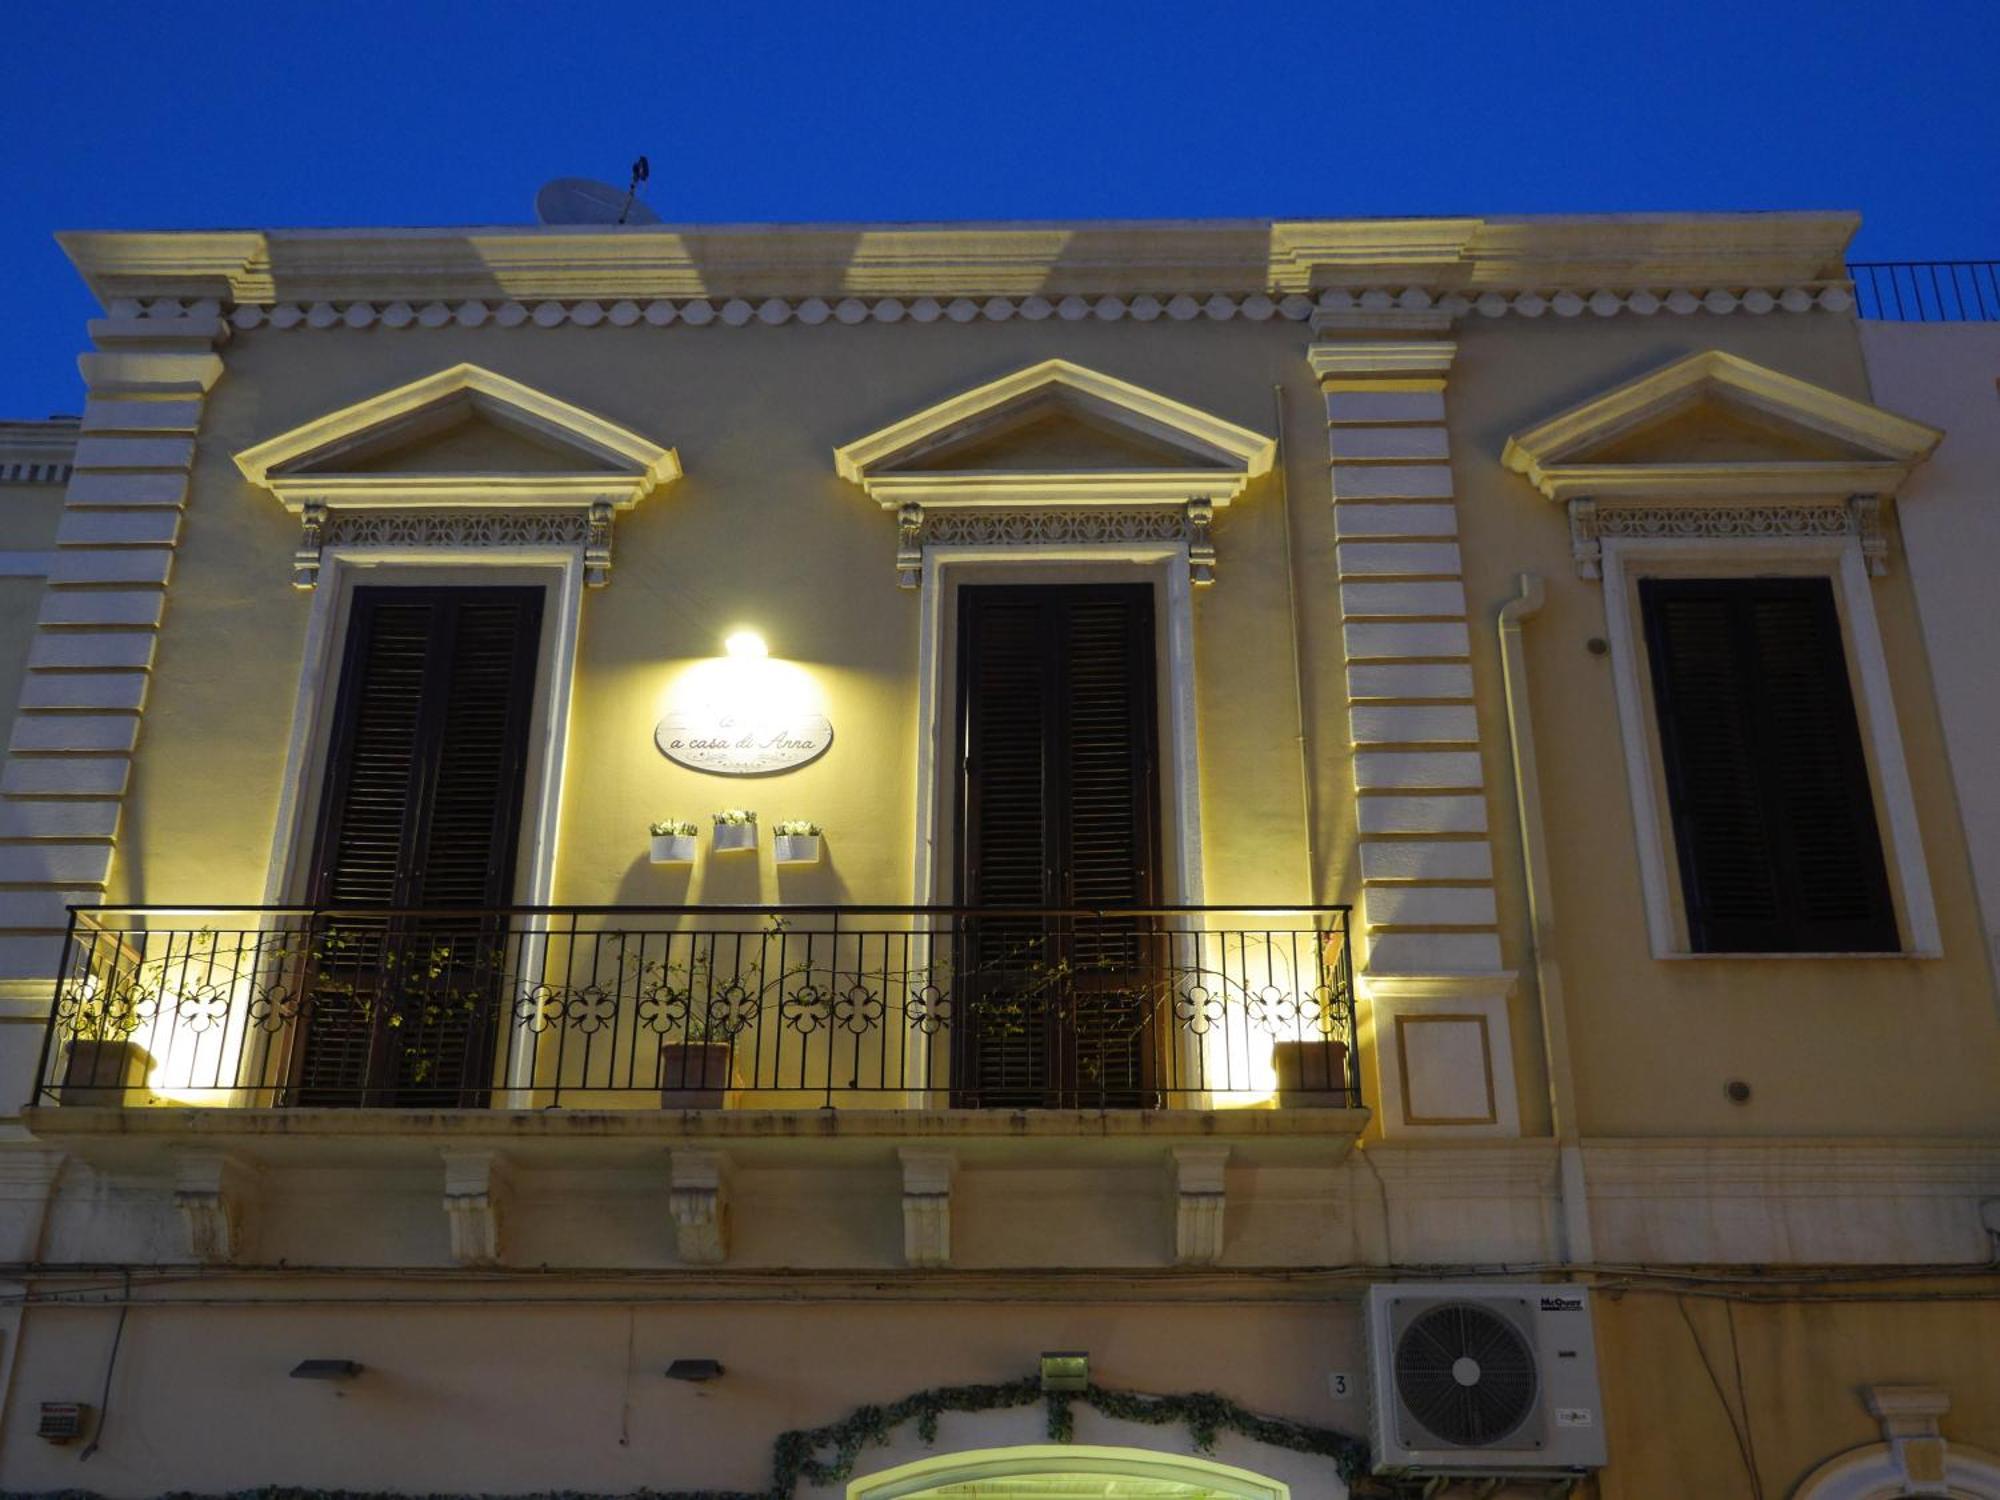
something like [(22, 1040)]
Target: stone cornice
[(37, 452), (1161, 258)]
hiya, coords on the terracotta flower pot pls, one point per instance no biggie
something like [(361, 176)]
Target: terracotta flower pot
[(694, 1075), (1311, 1074), (102, 1071)]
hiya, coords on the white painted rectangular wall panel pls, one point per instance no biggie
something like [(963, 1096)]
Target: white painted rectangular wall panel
[(1369, 642), (1439, 814), (1410, 680), (1429, 906), (1356, 520), (1414, 724), (1390, 770), (1426, 859)]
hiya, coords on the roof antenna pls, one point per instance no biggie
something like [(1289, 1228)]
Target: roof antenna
[(641, 170)]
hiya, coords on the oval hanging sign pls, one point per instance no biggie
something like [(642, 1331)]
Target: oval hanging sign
[(736, 744)]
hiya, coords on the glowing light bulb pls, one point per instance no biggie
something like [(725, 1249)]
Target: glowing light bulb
[(745, 643)]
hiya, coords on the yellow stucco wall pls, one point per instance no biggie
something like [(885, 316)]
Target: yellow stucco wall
[(762, 532)]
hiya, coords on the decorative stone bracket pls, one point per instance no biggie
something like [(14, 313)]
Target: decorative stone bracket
[(1188, 523), (1200, 1198), (322, 527), (476, 1189), (699, 1202), (1591, 521), (927, 1177), (211, 1191)]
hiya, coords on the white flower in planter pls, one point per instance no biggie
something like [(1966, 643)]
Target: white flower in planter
[(796, 842), (736, 828), (673, 842)]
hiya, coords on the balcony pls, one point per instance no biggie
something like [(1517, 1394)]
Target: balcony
[(703, 1014), (1927, 291)]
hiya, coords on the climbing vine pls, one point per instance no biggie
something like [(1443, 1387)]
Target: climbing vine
[(826, 1455)]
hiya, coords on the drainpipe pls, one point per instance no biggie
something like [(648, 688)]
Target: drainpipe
[(1572, 1191), (1308, 813)]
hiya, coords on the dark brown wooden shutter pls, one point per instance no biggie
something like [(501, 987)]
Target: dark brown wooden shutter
[(1774, 821), (1058, 808), (425, 776)]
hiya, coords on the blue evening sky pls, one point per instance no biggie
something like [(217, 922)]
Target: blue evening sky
[(277, 113)]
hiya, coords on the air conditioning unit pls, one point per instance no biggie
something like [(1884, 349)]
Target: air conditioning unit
[(1488, 1378)]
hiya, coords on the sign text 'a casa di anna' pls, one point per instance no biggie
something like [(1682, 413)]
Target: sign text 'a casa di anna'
[(732, 743)]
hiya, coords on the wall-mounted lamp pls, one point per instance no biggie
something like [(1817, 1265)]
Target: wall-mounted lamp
[(745, 643), (1066, 1370), (694, 1369), (62, 1421), (326, 1369)]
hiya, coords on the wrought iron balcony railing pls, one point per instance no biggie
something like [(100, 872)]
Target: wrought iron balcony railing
[(703, 1008), (1927, 291)]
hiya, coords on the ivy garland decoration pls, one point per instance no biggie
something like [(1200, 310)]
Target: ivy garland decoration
[(826, 1455)]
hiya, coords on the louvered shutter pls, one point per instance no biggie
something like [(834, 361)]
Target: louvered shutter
[(1774, 821), (1058, 808), (422, 810)]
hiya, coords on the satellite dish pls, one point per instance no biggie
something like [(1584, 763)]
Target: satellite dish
[(580, 200)]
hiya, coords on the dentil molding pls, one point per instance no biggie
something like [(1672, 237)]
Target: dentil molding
[(1178, 307)]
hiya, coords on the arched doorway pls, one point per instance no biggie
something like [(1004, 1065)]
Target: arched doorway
[(1061, 1471)]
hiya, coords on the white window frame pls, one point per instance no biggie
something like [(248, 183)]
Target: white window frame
[(1165, 566), (559, 571), (1841, 561)]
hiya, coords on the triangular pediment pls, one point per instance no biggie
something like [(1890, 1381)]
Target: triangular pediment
[(1714, 424), (1056, 434), (462, 433)]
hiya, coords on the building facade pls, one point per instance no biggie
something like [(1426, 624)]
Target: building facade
[(1304, 857)]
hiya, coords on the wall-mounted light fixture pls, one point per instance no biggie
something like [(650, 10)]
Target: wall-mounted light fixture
[(62, 1421), (745, 643), (1066, 1370), (326, 1369), (694, 1369)]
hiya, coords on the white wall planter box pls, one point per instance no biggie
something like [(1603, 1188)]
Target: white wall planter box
[(795, 848), (673, 848), (731, 836)]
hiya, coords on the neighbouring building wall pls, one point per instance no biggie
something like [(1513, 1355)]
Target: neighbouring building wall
[(1655, 1040), (1948, 374), (29, 514)]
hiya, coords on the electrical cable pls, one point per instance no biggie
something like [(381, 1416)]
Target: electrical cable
[(110, 1365)]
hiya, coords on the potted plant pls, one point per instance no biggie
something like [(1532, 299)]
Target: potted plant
[(101, 1064), (796, 842), (673, 842), (697, 1052), (1312, 1072), (735, 828)]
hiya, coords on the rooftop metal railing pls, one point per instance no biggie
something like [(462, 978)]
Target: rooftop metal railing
[(1927, 291), (703, 1008)]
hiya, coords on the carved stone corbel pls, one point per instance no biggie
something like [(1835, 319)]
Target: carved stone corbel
[(1201, 550), (1200, 1198), (211, 1190), (476, 1189), (927, 1179), (909, 545), (597, 546), (699, 1202), (1584, 543), (312, 540), (1864, 515)]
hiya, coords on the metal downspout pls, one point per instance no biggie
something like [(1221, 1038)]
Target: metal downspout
[(1307, 809), (1572, 1190)]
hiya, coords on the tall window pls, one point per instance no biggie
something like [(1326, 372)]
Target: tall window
[(1773, 819)]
